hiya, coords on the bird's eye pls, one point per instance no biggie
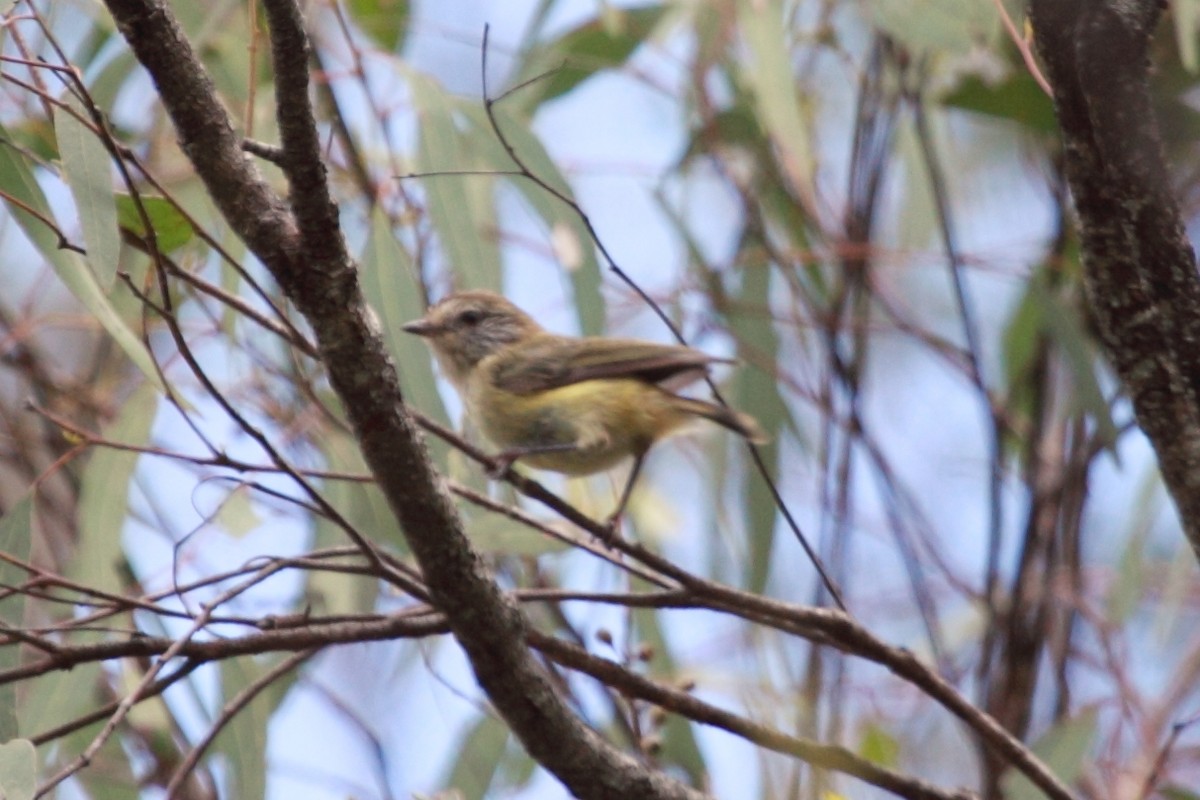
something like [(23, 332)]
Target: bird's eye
[(471, 316)]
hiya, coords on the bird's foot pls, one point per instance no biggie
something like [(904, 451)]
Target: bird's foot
[(501, 463)]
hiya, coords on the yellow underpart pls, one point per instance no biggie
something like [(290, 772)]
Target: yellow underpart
[(604, 421)]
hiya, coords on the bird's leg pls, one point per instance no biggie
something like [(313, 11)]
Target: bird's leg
[(505, 458), (615, 517)]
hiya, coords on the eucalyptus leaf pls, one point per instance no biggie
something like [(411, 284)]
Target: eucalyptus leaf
[(18, 183), (16, 538), (18, 770), (87, 167)]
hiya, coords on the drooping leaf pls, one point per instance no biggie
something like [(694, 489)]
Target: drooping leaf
[(244, 740), (599, 44), (679, 745), (1063, 749), (465, 229), (1186, 16), (16, 537), (479, 756), (560, 219), (18, 770), (757, 393), (768, 69), (393, 288), (87, 168), (364, 507), (104, 494), (17, 182)]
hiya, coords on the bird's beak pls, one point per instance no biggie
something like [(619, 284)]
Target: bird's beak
[(422, 327)]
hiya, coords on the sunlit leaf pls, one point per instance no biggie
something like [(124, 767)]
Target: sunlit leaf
[(172, 229), (385, 21), (1186, 16), (879, 746)]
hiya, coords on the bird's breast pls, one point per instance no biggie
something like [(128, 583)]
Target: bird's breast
[(595, 423)]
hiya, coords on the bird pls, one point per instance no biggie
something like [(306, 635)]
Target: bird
[(575, 405)]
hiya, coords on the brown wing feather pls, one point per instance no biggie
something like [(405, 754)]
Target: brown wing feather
[(560, 361)]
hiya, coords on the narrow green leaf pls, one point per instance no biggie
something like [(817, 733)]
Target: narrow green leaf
[(393, 288), (244, 739), (1018, 99), (88, 170), (18, 770), (1022, 334), (493, 533), (18, 182), (935, 25), (479, 755), (1063, 749), (385, 21), (680, 748), (768, 69), (1186, 16), (16, 536), (1065, 323), (468, 242), (363, 505), (559, 218), (58, 697), (1126, 591), (171, 228), (599, 44), (757, 393), (104, 495)]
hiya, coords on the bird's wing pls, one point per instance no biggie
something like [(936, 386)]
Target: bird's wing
[(560, 360)]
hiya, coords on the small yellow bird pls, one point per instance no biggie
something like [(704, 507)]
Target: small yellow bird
[(562, 403)]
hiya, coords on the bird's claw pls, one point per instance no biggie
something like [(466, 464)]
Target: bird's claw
[(500, 464)]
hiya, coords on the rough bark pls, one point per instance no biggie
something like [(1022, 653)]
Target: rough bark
[(1139, 267)]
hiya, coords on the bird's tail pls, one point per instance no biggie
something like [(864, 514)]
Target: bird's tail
[(743, 425)]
